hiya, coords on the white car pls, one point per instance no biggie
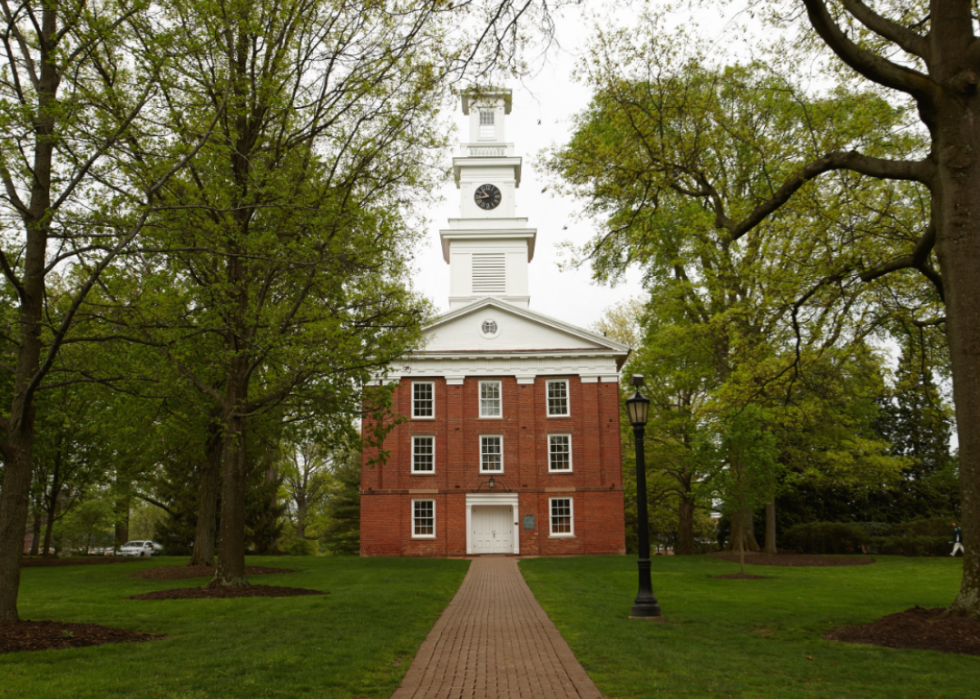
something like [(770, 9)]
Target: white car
[(140, 548)]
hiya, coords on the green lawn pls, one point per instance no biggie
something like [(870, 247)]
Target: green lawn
[(354, 642), (749, 638)]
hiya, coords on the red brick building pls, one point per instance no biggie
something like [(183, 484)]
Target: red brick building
[(510, 440)]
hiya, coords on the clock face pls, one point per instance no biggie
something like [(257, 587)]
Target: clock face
[(487, 196)]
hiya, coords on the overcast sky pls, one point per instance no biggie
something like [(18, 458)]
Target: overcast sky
[(543, 106)]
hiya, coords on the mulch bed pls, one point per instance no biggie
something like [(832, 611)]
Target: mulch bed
[(916, 628), (51, 635), (185, 572), (792, 559), (228, 592), (739, 576), (40, 562)]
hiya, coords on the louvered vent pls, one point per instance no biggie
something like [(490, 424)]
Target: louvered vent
[(489, 274)]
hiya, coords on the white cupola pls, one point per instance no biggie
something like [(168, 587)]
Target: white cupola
[(488, 248)]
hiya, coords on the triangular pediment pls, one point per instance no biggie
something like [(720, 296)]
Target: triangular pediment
[(512, 330)]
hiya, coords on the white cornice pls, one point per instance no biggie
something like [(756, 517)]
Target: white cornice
[(477, 95), (449, 234), (488, 162), (590, 366)]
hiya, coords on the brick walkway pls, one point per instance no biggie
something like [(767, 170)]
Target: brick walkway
[(494, 641)]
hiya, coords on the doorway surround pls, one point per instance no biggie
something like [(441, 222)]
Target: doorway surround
[(491, 500)]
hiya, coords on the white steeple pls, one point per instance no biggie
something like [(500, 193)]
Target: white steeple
[(488, 248)]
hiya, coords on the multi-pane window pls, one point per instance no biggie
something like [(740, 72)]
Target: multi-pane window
[(559, 452), (424, 518), (561, 517), (423, 399), (486, 123), (557, 398), (491, 454), (423, 454), (490, 399)]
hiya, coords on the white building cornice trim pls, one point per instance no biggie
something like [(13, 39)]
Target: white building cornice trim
[(513, 163)]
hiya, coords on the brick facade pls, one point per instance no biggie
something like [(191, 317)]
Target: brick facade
[(594, 484)]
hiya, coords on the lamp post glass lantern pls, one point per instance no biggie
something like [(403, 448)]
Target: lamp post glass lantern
[(645, 606)]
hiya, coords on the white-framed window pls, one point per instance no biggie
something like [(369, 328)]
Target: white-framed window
[(423, 519), (423, 454), (490, 401), (486, 123), (557, 391), (423, 399), (491, 454), (562, 517), (560, 453)]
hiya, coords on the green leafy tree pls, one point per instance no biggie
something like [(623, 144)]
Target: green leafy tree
[(664, 155), (343, 533), (70, 105), (747, 467), (288, 235), (925, 56), (307, 480), (919, 425)]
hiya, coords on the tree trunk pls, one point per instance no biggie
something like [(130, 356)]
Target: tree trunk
[(300, 519), (956, 215), (272, 475), (685, 527), (14, 497), (741, 555), (207, 505), (231, 551), (743, 532), (771, 527), (122, 524), (48, 529), (18, 446), (36, 534), (122, 511), (751, 543)]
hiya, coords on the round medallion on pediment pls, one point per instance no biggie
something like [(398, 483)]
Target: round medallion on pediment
[(489, 328)]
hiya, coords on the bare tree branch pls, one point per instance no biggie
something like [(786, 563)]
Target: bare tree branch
[(870, 65), (909, 40)]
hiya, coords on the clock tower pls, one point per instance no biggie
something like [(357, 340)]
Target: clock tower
[(508, 433), (488, 247)]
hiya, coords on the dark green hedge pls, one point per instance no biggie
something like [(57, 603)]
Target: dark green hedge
[(914, 545), (826, 537), (920, 537)]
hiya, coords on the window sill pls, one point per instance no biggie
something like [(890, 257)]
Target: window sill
[(423, 538), (562, 536), (422, 473), (430, 417)]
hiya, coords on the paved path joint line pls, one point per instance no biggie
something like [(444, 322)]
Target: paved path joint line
[(494, 641)]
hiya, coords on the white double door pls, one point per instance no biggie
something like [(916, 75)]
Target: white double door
[(493, 529)]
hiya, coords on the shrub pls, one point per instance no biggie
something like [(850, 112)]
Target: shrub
[(302, 547), (934, 526), (914, 545), (918, 537), (826, 537)]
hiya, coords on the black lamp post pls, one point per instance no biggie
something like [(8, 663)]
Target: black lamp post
[(645, 606)]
